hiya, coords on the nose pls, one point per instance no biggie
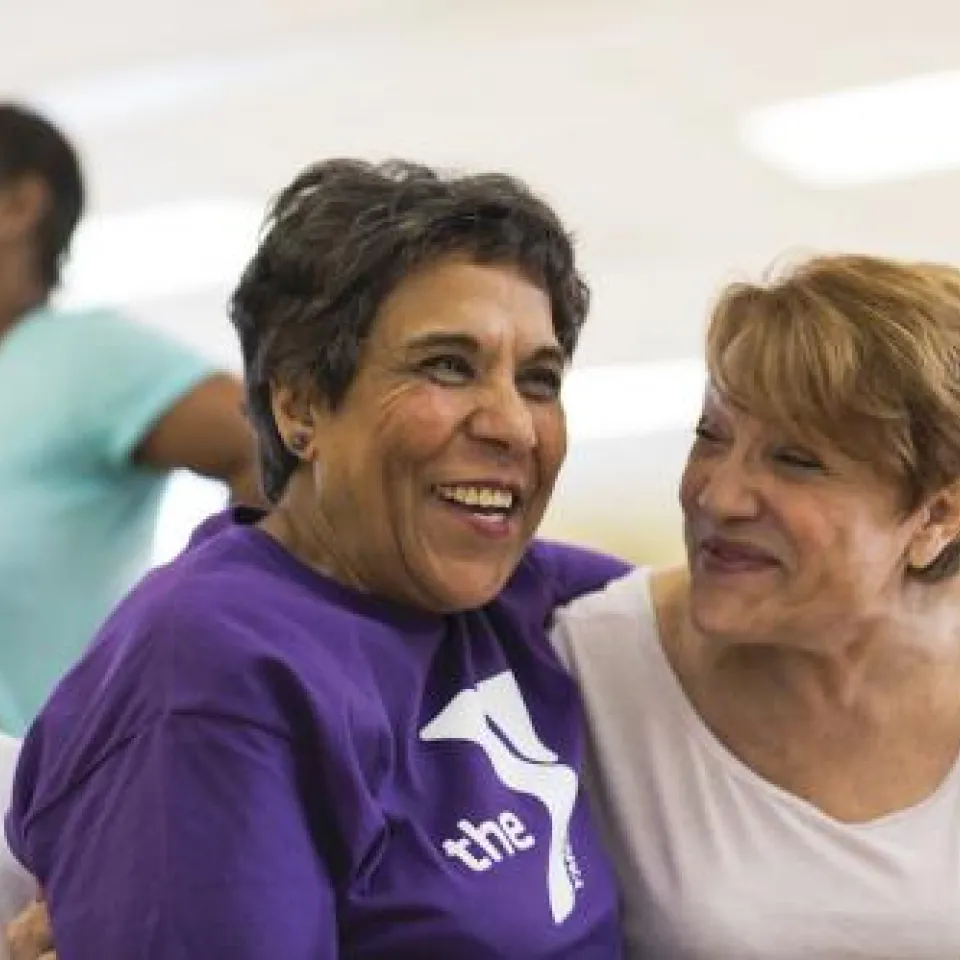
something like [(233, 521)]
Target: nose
[(503, 417), (727, 489)]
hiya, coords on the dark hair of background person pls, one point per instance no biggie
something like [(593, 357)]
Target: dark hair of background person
[(32, 146)]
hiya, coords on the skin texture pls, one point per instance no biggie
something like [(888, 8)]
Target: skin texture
[(29, 936), (458, 383), (798, 633), (834, 536)]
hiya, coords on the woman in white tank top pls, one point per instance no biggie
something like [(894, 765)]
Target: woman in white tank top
[(776, 730)]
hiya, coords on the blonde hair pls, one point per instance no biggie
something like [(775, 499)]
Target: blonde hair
[(861, 353)]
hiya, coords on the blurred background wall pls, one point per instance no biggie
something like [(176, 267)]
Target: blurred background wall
[(687, 142)]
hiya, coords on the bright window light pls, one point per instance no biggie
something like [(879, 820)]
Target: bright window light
[(869, 135), (188, 501), (161, 251), (633, 400)]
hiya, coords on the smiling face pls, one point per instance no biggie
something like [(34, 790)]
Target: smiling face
[(427, 482), (788, 543)]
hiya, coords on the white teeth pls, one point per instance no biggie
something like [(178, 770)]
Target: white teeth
[(493, 497)]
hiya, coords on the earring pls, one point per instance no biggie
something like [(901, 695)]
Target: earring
[(299, 442)]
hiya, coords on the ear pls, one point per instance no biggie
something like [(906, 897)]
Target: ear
[(22, 204), (939, 528), (296, 419)]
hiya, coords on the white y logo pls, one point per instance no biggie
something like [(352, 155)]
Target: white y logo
[(493, 715)]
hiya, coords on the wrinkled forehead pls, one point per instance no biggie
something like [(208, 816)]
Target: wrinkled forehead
[(494, 306)]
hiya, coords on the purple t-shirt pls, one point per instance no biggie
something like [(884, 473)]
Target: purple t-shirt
[(253, 761)]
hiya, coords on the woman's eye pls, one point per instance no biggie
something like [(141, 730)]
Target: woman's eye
[(448, 369), (799, 459), (707, 433), (541, 384)]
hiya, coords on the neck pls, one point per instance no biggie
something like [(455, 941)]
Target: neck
[(914, 652), (303, 531)]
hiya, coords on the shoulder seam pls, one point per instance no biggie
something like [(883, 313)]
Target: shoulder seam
[(125, 741)]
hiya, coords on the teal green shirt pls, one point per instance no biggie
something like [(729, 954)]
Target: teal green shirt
[(78, 393)]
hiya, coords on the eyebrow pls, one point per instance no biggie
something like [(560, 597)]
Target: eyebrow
[(552, 353)]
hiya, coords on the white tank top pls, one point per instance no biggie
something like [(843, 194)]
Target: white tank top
[(717, 863)]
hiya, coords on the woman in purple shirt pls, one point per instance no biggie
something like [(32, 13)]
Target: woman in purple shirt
[(337, 730)]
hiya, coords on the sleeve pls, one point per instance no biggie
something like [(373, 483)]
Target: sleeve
[(131, 377), (191, 840), (573, 571)]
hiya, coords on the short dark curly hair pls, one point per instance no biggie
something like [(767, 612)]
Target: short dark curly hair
[(32, 145), (340, 238)]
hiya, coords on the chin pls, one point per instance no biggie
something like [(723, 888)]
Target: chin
[(725, 616), (469, 586)]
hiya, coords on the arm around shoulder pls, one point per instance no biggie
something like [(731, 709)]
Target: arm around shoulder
[(573, 571)]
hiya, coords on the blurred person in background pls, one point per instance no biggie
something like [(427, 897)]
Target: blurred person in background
[(95, 412), (776, 728), (338, 729)]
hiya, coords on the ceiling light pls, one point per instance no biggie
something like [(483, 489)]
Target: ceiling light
[(117, 97), (868, 135)]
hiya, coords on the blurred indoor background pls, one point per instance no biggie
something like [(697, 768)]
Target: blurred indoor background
[(687, 141)]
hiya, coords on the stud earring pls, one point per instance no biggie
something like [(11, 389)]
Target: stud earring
[(299, 442)]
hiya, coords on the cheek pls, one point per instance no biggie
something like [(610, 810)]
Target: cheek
[(816, 544), (689, 485), (839, 552), (551, 430), (868, 547), (415, 423), (836, 533)]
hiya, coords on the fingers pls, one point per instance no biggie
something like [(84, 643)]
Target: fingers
[(29, 936)]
